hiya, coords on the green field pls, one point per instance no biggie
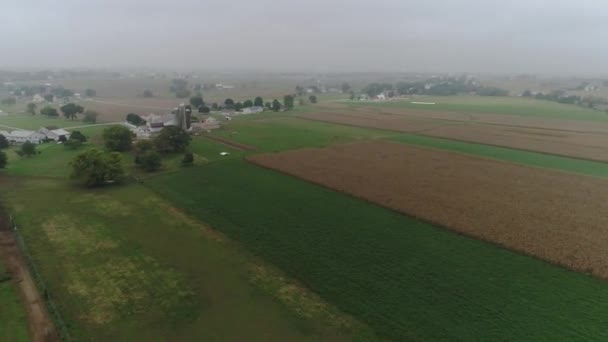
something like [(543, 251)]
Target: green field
[(405, 278), (34, 122), (123, 264), (13, 323), (499, 105)]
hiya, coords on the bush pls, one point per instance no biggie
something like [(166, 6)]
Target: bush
[(172, 139), (3, 160), (135, 119), (188, 159), (27, 149), (4, 142), (118, 138), (149, 161), (90, 116)]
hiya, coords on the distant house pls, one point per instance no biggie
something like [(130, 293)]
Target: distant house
[(253, 110), (207, 125), (54, 134), (3, 113), (38, 98), (21, 136), (156, 123), (228, 111), (381, 97)]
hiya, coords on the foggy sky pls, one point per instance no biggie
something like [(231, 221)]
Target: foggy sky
[(540, 36)]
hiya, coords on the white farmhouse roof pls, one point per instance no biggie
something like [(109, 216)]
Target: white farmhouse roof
[(21, 134), (60, 131)]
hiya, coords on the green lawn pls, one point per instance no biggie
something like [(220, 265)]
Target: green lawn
[(586, 167), (405, 278), (123, 264), (26, 121), (13, 322), (500, 105), (286, 133)]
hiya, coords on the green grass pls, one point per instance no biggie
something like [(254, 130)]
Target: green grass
[(53, 161), (13, 322), (123, 264), (585, 167), (280, 134), (408, 280), (26, 121), (499, 105)]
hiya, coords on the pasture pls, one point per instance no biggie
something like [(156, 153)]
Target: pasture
[(183, 281), (13, 323), (405, 278)]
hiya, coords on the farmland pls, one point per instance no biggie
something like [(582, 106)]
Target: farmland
[(538, 212), (585, 140), (13, 324), (190, 253), (405, 278)]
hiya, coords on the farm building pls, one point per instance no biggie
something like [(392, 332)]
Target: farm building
[(38, 98), (253, 110), (21, 136), (54, 134), (3, 113), (207, 124)]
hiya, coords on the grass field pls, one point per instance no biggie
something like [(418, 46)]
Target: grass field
[(500, 105), (406, 279), (285, 133), (26, 121), (112, 284), (13, 323)]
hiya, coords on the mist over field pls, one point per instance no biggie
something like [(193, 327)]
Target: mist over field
[(540, 36)]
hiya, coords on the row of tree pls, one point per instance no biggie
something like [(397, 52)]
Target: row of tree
[(70, 111), (433, 87)]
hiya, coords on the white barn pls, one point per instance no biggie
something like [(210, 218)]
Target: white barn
[(21, 136)]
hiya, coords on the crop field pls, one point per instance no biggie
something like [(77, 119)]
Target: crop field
[(13, 324), (585, 140), (543, 213), (183, 281), (405, 278)]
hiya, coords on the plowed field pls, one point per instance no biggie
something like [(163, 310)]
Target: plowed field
[(556, 216), (560, 137)]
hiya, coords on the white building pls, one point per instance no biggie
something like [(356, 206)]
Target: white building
[(38, 98), (3, 113), (54, 134), (253, 110), (21, 136)]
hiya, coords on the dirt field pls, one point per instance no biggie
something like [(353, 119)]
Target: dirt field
[(567, 138), (552, 215)]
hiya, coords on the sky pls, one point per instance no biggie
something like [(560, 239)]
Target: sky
[(514, 36)]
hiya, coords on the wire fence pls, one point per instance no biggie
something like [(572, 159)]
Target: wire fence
[(60, 325)]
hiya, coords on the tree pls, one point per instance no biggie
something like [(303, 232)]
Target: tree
[(527, 93), (188, 159), (95, 168), (197, 87), (259, 101), (90, 116), (288, 101), (135, 119), (149, 161), (299, 90), (312, 98), (31, 108), (345, 87), (72, 144), (76, 135), (172, 139), (49, 97), (352, 95), (247, 104), (276, 105), (268, 105), (197, 101), (27, 149), (229, 103), (117, 138), (214, 106), (238, 106), (3, 142), (49, 111), (204, 109), (90, 92), (71, 109), (3, 160), (182, 93), (148, 93), (9, 100)]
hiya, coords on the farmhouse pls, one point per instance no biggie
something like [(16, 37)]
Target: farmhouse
[(54, 134), (253, 110), (38, 98), (207, 125), (21, 136)]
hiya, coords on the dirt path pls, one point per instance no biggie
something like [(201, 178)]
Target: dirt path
[(40, 325), (230, 143)]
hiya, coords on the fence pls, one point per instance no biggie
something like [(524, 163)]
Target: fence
[(61, 327)]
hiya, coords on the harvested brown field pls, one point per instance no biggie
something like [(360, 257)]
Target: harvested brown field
[(560, 137), (556, 216)]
